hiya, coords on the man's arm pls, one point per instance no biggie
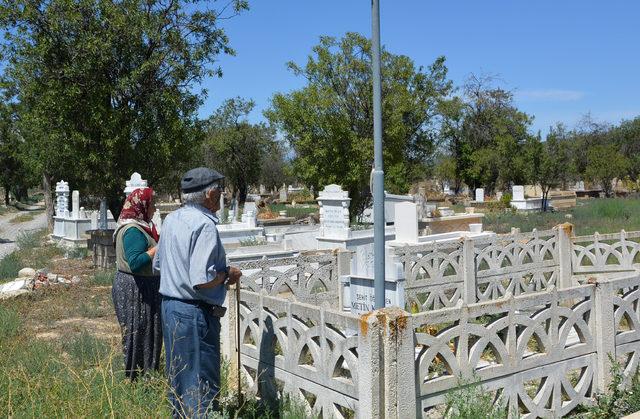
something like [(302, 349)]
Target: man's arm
[(202, 270)]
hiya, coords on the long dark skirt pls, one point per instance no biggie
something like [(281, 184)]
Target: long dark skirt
[(137, 303)]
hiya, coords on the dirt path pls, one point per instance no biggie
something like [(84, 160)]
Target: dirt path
[(9, 231)]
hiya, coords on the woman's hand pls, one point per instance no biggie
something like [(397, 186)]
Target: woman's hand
[(152, 252)]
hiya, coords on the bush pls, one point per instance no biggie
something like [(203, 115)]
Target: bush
[(10, 265), (28, 240)]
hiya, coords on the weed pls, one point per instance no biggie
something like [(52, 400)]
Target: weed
[(22, 218), (77, 253), (103, 278), (10, 323), (252, 241), (86, 350), (618, 401), (28, 240), (471, 401), (10, 265)]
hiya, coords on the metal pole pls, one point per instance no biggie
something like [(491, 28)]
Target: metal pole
[(378, 171)]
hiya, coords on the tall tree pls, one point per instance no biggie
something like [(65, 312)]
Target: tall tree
[(485, 134), (107, 87), (329, 122), (605, 164), (236, 146), (550, 161)]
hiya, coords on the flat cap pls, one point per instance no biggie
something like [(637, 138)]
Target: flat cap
[(199, 178)]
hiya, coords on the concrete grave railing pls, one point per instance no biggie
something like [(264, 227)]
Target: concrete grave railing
[(470, 270), (606, 252), (306, 278), (316, 354), (540, 354)]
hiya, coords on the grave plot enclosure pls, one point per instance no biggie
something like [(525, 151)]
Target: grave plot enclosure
[(532, 317)]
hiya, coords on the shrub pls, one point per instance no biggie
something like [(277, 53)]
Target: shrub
[(252, 241), (10, 265), (28, 240)]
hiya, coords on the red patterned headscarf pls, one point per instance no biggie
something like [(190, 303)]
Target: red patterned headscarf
[(135, 210)]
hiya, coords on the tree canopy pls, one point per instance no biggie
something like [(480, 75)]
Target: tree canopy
[(107, 87), (329, 122)]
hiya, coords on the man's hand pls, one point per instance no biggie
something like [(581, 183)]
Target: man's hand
[(234, 275)]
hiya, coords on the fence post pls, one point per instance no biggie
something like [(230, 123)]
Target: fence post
[(370, 368), (228, 337), (399, 364), (604, 331), (565, 253), (343, 269), (470, 281)]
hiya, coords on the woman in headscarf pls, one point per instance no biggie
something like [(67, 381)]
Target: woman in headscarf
[(135, 287)]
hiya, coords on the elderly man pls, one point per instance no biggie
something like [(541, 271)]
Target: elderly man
[(193, 278)]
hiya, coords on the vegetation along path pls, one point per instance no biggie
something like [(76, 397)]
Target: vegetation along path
[(12, 224)]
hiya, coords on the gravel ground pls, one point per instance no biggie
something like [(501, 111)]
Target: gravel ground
[(9, 231)]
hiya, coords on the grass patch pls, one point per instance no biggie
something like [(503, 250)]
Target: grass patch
[(10, 265), (77, 253), (601, 215), (471, 400), (9, 323), (22, 218), (299, 211), (27, 240), (252, 241), (103, 277)]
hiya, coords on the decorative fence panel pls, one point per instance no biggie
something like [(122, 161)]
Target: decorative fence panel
[(535, 352), (433, 274), (606, 252), (307, 278), (516, 263), (309, 352)]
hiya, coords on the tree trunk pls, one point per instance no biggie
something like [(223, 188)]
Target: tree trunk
[(48, 200), (242, 190), (114, 203), (6, 195)]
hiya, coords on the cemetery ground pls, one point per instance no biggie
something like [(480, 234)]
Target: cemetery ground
[(61, 344)]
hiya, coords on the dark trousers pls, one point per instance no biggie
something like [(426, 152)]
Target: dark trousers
[(192, 345)]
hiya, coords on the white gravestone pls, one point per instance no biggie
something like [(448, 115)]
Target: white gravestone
[(446, 189), (75, 205), (480, 195), (134, 183), (406, 224), (518, 193), (334, 212), (62, 199), (220, 212), (283, 193), (421, 202), (362, 295)]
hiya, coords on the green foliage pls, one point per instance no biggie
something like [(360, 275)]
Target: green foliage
[(329, 122), (10, 265), (485, 135), (77, 253), (86, 350), (10, 323), (27, 240), (252, 241), (605, 163), (111, 86), (471, 401), (236, 147), (601, 215), (103, 278), (618, 401)]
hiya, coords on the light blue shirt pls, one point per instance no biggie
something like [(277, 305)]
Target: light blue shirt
[(189, 254)]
